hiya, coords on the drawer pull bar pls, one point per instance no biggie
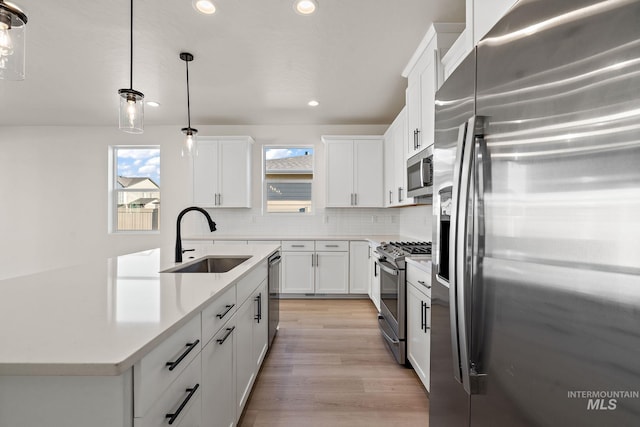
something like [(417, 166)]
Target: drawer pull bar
[(424, 284), (297, 246), (331, 246), (224, 338), (190, 346), (228, 309), (173, 417)]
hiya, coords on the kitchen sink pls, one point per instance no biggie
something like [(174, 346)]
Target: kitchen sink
[(210, 264)]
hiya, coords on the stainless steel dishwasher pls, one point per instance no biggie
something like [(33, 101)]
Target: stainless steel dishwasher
[(274, 295)]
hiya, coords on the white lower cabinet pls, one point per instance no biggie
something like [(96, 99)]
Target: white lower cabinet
[(178, 402), (419, 325), (374, 269), (315, 268), (332, 272), (359, 272), (218, 378), (251, 343), (298, 273)]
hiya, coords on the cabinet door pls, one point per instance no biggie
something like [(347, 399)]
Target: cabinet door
[(375, 282), (297, 273), (427, 98), (235, 174), (245, 365), (400, 165), (414, 116), (418, 339), (359, 278), (390, 164), (261, 324), (218, 379), (332, 272), (205, 174), (368, 173), (339, 173)]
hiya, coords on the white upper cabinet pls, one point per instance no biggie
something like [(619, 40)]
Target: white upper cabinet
[(425, 75), (354, 171), (395, 163), (481, 16), (222, 172), (486, 13)]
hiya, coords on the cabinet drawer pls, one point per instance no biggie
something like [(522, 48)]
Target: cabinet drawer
[(419, 278), (152, 375), (298, 245), (182, 398), (249, 283), (263, 242), (332, 245), (217, 313)]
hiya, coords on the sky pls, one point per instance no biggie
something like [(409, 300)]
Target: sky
[(281, 153), (139, 162)]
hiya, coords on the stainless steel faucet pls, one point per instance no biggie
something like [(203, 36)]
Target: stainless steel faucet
[(212, 227)]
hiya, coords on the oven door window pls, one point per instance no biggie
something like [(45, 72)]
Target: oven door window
[(389, 290)]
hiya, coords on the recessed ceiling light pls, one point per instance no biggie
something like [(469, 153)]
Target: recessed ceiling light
[(305, 7), (313, 103), (204, 6), (153, 104)]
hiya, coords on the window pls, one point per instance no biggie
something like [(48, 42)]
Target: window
[(288, 177), (136, 189)]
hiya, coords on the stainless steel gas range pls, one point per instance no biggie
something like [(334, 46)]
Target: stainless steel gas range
[(392, 318)]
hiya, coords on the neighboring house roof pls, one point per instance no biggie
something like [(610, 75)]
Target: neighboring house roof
[(144, 201), (299, 164), (137, 182)]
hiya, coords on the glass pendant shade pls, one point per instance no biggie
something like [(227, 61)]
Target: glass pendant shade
[(190, 142), (12, 41), (131, 118), (131, 111)]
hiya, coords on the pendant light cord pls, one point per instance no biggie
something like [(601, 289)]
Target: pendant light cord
[(131, 57), (188, 100)]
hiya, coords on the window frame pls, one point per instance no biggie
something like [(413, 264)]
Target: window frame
[(114, 191), (266, 181)]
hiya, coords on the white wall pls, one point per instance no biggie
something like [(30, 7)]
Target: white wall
[(53, 194)]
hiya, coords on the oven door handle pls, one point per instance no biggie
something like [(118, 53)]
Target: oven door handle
[(392, 271), (386, 336)]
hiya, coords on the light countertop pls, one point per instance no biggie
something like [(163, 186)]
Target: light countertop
[(421, 263), (371, 238), (100, 318)]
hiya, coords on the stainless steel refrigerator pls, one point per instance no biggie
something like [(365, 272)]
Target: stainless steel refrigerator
[(536, 244)]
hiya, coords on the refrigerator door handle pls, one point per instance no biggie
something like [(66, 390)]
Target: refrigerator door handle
[(455, 190), (463, 240)]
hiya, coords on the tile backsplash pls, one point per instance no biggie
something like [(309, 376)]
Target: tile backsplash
[(413, 222)]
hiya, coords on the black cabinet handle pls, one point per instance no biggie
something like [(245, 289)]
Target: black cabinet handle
[(190, 346), (173, 417), (228, 309), (258, 299), (422, 316), (417, 138), (224, 338)]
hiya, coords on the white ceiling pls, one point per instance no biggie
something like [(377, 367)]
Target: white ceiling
[(256, 61)]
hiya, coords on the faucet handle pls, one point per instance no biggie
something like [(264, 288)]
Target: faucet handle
[(187, 250)]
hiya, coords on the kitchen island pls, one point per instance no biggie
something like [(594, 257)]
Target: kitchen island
[(79, 343)]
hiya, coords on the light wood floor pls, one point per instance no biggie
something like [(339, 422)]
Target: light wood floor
[(329, 367)]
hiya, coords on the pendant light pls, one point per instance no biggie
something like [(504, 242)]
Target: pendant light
[(190, 143), (131, 101), (13, 23)]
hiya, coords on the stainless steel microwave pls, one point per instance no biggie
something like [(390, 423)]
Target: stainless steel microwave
[(420, 174)]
